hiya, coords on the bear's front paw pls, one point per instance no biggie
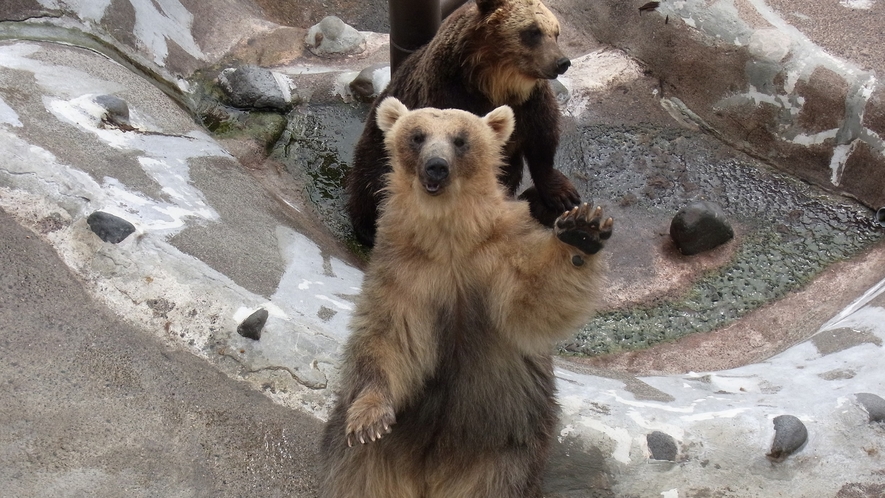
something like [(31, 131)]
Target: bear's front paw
[(557, 192), (368, 418), (583, 228)]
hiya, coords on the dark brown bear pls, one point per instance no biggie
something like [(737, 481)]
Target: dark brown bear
[(487, 54), (447, 386)]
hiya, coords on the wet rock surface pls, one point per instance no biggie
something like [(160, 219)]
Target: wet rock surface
[(787, 231), (317, 149)]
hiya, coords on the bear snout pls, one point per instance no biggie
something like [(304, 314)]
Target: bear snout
[(562, 65), (434, 174)]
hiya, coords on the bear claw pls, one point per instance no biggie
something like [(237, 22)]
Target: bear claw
[(583, 229), (368, 420)]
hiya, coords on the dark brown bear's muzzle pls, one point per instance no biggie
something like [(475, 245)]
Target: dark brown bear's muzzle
[(435, 175)]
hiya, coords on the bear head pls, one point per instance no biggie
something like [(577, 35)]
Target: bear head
[(443, 153), (515, 44)]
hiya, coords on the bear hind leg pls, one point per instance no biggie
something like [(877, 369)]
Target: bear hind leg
[(509, 474)]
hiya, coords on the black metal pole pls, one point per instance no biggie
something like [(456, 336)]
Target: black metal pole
[(413, 23), (446, 7)]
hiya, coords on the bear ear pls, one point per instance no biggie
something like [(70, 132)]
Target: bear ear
[(388, 112), (502, 122), (486, 7)]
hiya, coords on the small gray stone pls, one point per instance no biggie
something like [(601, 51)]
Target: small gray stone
[(253, 87), (699, 227), (331, 37), (873, 404), (117, 110), (662, 446), (108, 227), (368, 84), (789, 435), (252, 326)]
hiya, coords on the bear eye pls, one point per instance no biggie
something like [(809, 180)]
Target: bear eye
[(459, 142), (531, 36), (418, 138)]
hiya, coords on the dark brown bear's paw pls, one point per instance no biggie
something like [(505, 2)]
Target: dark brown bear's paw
[(557, 192), (368, 418), (584, 228)]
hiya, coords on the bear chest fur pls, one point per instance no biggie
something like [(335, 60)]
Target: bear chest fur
[(485, 394)]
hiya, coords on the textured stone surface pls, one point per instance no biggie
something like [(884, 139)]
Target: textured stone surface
[(718, 415), (768, 89)]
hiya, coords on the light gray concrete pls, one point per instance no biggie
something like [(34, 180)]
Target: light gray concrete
[(96, 406)]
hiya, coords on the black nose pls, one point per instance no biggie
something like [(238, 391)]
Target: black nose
[(436, 169), (562, 65)]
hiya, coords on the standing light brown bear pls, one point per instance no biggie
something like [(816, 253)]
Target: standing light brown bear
[(487, 54), (447, 387)]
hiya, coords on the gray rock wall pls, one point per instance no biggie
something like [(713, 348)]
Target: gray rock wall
[(745, 72)]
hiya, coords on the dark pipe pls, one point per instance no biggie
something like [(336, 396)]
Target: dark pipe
[(446, 7), (413, 23)]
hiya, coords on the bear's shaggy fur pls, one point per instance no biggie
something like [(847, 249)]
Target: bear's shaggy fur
[(447, 386), (487, 54)]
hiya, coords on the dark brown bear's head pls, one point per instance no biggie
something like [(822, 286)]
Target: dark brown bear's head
[(440, 153), (514, 45)]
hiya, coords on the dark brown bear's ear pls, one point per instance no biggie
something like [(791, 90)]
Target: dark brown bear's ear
[(388, 112), (486, 7), (502, 122)]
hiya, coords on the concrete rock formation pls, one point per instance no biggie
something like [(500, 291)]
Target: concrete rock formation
[(219, 237), (794, 83)]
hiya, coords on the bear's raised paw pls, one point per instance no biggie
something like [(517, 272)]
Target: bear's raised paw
[(368, 418), (583, 228)]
